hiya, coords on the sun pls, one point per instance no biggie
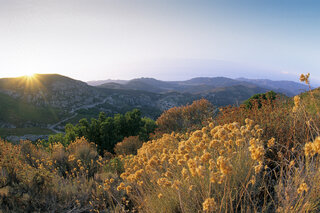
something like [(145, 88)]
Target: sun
[(29, 75), (31, 82), (29, 78)]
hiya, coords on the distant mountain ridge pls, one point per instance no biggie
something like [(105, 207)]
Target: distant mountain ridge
[(99, 82), (289, 88), (205, 84)]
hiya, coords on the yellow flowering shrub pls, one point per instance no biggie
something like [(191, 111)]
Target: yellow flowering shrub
[(305, 78), (185, 118), (312, 148), (297, 189), (129, 145), (214, 163), (209, 205), (56, 180)]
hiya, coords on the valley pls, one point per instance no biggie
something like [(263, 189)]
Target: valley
[(47, 102)]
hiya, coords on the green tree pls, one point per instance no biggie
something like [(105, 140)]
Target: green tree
[(57, 138), (107, 131), (259, 98)]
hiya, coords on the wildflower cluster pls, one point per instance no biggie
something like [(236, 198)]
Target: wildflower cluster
[(303, 188), (209, 205), (305, 78), (312, 148), (296, 100)]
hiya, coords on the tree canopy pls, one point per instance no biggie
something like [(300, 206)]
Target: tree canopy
[(107, 131), (257, 98)]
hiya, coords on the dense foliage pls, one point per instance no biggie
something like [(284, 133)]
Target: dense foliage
[(257, 99), (107, 131)]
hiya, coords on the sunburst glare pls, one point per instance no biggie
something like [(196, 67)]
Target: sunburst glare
[(30, 75)]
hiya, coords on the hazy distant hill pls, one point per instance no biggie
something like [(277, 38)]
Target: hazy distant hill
[(236, 94), (99, 82), (216, 81), (206, 84), (289, 88), (144, 84)]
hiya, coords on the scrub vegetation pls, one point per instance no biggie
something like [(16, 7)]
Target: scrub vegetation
[(262, 156)]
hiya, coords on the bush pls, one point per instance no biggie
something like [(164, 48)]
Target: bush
[(258, 98), (184, 118), (290, 128), (128, 146), (213, 168), (115, 165), (62, 179)]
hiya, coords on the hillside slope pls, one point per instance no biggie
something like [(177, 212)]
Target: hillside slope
[(50, 90), (15, 113)]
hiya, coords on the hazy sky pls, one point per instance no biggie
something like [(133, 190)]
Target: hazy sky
[(169, 40)]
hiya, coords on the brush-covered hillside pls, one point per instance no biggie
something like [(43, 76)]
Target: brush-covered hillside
[(47, 102), (257, 157)]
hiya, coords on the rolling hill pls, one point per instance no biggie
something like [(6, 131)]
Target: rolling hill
[(288, 88), (205, 84)]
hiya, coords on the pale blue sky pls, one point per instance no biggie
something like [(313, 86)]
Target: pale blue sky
[(169, 40)]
